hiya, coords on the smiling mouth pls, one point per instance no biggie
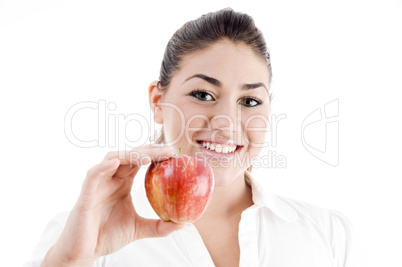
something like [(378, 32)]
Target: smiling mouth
[(219, 148)]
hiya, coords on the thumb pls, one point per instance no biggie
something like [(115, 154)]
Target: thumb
[(165, 228), (156, 228)]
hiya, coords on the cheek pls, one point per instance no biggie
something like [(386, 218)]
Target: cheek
[(197, 122), (180, 122), (256, 128), (173, 123)]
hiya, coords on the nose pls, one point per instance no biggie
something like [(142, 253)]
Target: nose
[(226, 118)]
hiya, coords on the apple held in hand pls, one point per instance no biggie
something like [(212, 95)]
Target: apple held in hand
[(180, 188)]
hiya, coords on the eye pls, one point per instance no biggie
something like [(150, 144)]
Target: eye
[(202, 95), (250, 102)]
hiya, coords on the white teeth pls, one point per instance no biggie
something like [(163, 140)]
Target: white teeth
[(206, 144), (219, 148)]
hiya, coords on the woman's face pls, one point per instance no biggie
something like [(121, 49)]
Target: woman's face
[(219, 95)]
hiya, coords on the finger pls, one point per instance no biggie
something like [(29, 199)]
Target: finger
[(142, 155), (103, 167), (106, 167), (111, 167), (146, 228), (125, 171)]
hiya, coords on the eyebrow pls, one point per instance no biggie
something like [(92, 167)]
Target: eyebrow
[(206, 78), (215, 82)]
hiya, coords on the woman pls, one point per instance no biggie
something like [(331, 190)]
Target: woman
[(212, 95)]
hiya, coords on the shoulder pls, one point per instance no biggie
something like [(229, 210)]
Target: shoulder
[(332, 226), (330, 221), (310, 213), (292, 210)]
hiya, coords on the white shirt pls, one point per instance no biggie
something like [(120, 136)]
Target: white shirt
[(275, 232)]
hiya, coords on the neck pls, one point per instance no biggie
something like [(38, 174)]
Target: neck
[(228, 201)]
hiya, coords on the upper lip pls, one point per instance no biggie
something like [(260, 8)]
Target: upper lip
[(219, 140)]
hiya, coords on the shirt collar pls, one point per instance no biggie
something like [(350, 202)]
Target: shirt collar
[(261, 197)]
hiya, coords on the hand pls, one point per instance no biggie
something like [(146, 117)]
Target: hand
[(104, 219)]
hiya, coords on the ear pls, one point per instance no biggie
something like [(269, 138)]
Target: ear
[(155, 97)]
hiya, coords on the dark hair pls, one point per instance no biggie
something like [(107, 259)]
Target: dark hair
[(208, 29)]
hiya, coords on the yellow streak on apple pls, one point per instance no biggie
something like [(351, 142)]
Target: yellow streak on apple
[(157, 198)]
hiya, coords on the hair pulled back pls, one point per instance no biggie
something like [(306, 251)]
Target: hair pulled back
[(208, 29)]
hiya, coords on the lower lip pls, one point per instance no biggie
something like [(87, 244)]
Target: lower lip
[(210, 153)]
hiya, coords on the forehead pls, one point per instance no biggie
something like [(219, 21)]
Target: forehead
[(225, 61)]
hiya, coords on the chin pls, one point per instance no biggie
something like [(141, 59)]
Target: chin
[(226, 175)]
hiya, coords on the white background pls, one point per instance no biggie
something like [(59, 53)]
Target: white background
[(55, 54)]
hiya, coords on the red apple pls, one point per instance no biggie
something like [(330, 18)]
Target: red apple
[(180, 188)]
